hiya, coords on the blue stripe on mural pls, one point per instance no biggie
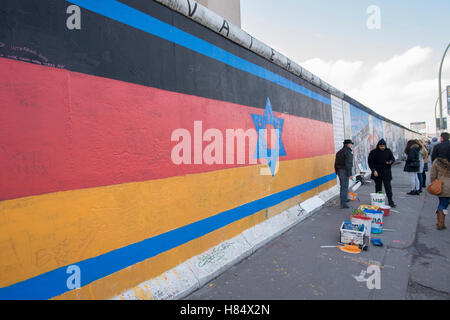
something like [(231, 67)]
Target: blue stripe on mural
[(54, 283), (139, 20)]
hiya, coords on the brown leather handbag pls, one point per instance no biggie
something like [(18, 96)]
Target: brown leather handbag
[(435, 188)]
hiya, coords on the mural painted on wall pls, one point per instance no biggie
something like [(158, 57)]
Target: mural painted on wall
[(347, 120), (338, 122), (395, 140), (377, 132), (361, 136), (101, 129), (101, 104), (400, 142)]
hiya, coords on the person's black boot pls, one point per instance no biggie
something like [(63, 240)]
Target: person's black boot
[(412, 193), (417, 192), (392, 203)]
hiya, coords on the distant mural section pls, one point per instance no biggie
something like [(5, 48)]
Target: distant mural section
[(377, 131), (367, 130), (352, 121), (396, 139), (362, 136)]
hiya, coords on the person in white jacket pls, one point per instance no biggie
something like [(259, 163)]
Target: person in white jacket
[(423, 159)]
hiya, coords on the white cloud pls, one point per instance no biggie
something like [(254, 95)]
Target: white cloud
[(399, 88), (344, 73)]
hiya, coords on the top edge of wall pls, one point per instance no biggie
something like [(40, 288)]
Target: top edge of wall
[(202, 15)]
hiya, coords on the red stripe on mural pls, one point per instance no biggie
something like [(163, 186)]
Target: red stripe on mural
[(61, 130)]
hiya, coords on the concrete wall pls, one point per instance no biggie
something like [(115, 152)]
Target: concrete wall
[(365, 129), (130, 144), (230, 9)]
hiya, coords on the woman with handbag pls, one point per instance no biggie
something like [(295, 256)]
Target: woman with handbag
[(412, 166), (440, 186)]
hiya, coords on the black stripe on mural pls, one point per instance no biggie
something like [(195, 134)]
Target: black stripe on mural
[(46, 32)]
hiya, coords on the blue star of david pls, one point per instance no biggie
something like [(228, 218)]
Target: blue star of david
[(261, 122)]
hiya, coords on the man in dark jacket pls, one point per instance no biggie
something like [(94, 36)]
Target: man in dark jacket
[(343, 166), (380, 161), (442, 150)]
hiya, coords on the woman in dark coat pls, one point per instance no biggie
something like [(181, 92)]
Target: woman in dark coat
[(412, 165), (380, 161)]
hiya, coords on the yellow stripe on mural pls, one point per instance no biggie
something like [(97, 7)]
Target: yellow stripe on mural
[(41, 233), (151, 268), (131, 277)]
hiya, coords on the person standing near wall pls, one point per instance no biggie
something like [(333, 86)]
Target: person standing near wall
[(441, 150), (427, 166), (429, 147), (440, 169), (423, 157), (434, 143), (412, 165), (343, 166), (380, 161)]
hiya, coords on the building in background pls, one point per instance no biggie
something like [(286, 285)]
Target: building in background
[(229, 9), (420, 127)]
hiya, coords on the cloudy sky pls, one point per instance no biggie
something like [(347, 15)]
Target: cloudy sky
[(392, 70)]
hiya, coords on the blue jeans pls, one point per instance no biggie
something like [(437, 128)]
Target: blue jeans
[(420, 176), (343, 180), (443, 203)]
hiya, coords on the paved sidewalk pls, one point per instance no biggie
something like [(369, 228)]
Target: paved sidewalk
[(414, 260)]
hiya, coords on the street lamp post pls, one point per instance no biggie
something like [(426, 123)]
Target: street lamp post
[(440, 85), (435, 113)]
